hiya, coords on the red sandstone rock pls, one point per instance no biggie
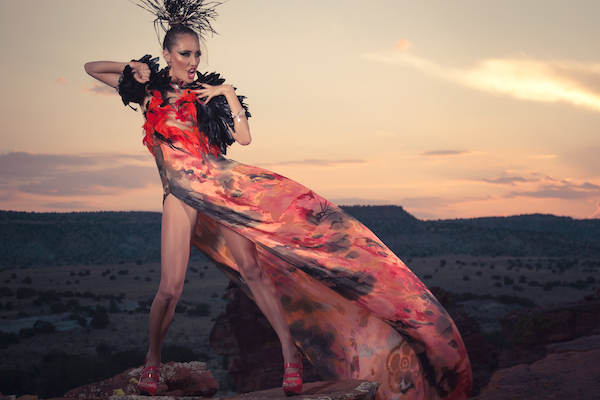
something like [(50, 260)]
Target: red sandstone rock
[(332, 390), (245, 335), (571, 372), (531, 330), (177, 379), (483, 355), (551, 324)]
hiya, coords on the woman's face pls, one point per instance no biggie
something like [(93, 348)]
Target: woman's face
[(184, 58)]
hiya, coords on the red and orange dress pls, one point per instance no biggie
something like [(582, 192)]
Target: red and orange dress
[(352, 305)]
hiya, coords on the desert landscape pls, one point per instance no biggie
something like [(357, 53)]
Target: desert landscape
[(94, 316)]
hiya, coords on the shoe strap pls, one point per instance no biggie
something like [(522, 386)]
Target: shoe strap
[(292, 365), (291, 375), (150, 372)]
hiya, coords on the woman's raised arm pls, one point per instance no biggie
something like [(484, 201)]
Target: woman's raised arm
[(241, 129), (109, 71)]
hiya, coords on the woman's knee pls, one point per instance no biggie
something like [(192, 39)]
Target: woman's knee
[(170, 293), (251, 270)]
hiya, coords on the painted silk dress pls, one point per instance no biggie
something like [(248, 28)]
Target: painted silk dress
[(352, 305)]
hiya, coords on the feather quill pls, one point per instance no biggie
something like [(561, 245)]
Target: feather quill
[(195, 14)]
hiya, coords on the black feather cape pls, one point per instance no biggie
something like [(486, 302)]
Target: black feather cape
[(213, 118)]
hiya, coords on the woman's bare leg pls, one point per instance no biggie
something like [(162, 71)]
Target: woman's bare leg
[(177, 227), (262, 287)]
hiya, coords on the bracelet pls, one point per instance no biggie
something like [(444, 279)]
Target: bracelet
[(239, 115)]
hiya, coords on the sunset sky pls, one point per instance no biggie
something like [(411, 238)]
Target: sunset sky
[(449, 108)]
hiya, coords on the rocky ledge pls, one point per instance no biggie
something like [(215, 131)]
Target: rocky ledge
[(569, 371)]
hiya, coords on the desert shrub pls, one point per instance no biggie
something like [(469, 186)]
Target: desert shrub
[(497, 284), (517, 288), (72, 273), (86, 272), (60, 372), (201, 310), (143, 306), (100, 319), (8, 306), (496, 338), (27, 280), (16, 381), (44, 326), (181, 354), (123, 272), (113, 278), (496, 277), (113, 307), (6, 292), (73, 303), (533, 283), (478, 273), (57, 308), (104, 348), (522, 279), (427, 276), (6, 339), (49, 296), (26, 333), (180, 308), (466, 278), (26, 293), (508, 280)]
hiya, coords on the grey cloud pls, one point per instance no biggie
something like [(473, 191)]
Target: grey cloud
[(509, 180), (69, 175), (101, 89), (92, 182), (355, 201), (430, 202), (566, 191), (444, 153), (69, 205), (316, 162)]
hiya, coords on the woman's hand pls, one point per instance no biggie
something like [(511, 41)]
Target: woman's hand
[(241, 130), (208, 92), (141, 71)]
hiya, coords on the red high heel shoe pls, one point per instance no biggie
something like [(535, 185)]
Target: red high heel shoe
[(295, 385), (149, 388)]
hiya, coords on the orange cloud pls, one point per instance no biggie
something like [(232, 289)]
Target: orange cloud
[(402, 45), (521, 78), (101, 89), (61, 80)]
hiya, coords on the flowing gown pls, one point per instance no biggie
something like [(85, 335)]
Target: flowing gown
[(352, 305)]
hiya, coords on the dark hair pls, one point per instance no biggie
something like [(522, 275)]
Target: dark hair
[(173, 35)]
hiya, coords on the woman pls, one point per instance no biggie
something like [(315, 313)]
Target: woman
[(350, 303), (182, 53)]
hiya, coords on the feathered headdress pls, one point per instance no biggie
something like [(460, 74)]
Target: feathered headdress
[(194, 14)]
